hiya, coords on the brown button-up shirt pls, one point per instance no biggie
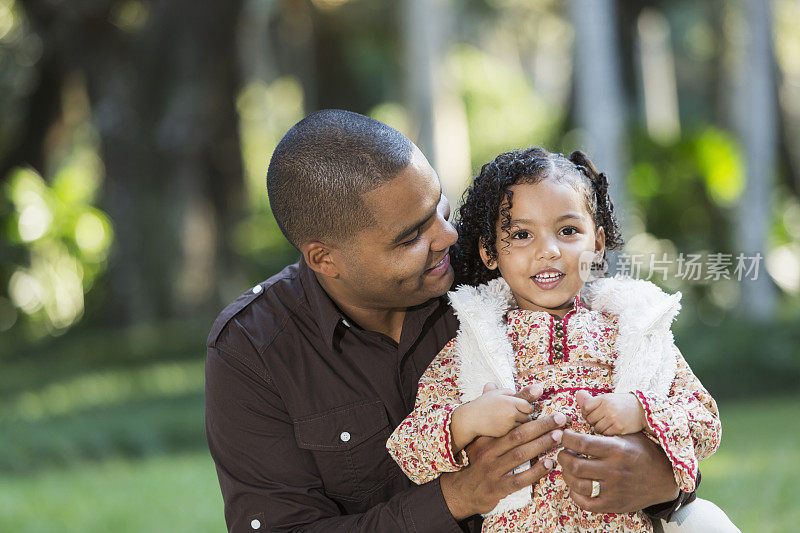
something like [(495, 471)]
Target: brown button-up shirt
[(300, 402)]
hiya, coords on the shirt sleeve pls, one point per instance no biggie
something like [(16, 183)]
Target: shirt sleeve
[(422, 444), (666, 510), (685, 424), (270, 484)]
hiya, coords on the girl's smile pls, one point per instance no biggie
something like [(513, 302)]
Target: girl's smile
[(548, 278)]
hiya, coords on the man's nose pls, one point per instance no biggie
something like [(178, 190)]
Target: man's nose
[(445, 237)]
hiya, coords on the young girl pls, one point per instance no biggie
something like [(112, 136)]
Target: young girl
[(531, 226)]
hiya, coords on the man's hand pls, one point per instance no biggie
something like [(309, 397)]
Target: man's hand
[(633, 472), (613, 413), (489, 477)]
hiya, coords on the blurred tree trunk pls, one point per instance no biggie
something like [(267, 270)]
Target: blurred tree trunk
[(297, 39), (757, 125), (162, 83), (599, 99), (255, 48), (435, 107), (423, 59), (658, 84)]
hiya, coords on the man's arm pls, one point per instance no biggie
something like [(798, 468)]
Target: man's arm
[(268, 482)]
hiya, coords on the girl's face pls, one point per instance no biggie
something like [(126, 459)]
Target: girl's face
[(552, 238)]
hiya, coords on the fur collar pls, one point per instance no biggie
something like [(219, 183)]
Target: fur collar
[(645, 361)]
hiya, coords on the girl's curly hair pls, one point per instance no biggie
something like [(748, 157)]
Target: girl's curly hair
[(489, 199)]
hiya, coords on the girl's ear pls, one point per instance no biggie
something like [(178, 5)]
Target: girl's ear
[(600, 243), (490, 263)]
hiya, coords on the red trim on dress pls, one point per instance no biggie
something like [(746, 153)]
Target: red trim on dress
[(448, 409), (593, 390), (576, 304), (661, 437)]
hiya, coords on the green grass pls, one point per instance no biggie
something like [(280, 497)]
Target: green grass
[(755, 478), (134, 428), (168, 493)]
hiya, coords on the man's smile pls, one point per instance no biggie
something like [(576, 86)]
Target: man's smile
[(439, 267)]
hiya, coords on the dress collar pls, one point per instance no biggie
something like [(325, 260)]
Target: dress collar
[(577, 307)]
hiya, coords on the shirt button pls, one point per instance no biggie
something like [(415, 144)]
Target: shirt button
[(345, 436), (257, 289), (255, 524)]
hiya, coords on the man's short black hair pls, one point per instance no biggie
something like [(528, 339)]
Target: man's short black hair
[(322, 167)]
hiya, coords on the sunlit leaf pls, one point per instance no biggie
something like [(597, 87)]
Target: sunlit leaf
[(720, 161)]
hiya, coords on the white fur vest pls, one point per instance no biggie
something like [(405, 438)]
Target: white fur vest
[(645, 357)]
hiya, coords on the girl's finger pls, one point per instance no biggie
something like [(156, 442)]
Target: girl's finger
[(594, 417), (521, 418), (523, 406), (602, 425), (587, 402)]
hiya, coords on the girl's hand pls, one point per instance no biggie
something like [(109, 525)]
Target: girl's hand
[(612, 414), (493, 414)]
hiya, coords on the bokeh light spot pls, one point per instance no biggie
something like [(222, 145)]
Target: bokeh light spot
[(34, 221), (91, 234), (26, 292)]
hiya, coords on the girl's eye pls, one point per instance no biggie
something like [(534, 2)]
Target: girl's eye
[(521, 235), (571, 230)]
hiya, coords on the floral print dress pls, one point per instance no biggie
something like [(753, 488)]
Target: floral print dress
[(563, 356)]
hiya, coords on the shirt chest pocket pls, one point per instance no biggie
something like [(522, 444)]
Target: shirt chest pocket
[(349, 447)]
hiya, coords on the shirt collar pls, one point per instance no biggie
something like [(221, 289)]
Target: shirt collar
[(328, 315), (324, 310)]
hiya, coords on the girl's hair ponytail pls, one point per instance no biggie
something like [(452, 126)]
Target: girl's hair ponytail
[(603, 206)]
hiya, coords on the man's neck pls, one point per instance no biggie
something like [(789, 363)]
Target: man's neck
[(386, 321)]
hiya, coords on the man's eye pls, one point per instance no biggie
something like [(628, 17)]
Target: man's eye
[(412, 240)]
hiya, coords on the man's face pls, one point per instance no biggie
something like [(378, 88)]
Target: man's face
[(402, 260)]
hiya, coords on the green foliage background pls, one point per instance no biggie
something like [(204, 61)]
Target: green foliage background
[(101, 418)]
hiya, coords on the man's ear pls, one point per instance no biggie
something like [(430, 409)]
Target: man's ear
[(599, 243), (490, 263), (320, 258)]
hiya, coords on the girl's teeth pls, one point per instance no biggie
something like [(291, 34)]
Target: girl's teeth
[(547, 277)]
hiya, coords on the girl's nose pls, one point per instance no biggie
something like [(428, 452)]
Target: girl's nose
[(549, 251)]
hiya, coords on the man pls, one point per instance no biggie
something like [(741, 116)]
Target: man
[(309, 372)]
